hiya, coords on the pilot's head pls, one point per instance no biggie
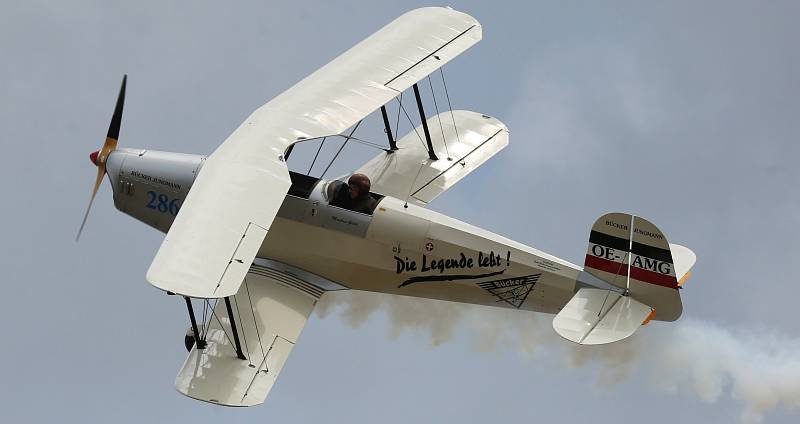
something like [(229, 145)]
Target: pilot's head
[(359, 186)]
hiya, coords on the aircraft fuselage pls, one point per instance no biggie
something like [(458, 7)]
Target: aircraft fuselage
[(399, 249)]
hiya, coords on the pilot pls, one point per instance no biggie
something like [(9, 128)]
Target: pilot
[(354, 195)]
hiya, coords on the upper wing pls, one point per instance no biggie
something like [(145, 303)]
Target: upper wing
[(270, 310), (370, 74), (463, 141), (232, 203)]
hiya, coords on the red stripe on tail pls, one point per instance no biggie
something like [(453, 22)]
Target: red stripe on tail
[(606, 265), (651, 277)]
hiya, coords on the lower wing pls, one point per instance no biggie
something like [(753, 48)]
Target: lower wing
[(268, 312), (463, 141)]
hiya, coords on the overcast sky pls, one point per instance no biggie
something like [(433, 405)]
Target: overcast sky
[(685, 113)]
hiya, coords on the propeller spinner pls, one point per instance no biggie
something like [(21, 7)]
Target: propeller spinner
[(99, 157)]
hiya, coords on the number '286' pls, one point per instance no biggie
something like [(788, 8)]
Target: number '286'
[(162, 203)]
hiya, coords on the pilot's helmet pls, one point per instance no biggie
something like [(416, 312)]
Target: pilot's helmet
[(361, 182)]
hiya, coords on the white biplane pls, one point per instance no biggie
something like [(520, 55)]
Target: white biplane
[(241, 228)]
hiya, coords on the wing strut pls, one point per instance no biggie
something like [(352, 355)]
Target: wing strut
[(201, 344), (239, 353), (392, 142), (431, 153)]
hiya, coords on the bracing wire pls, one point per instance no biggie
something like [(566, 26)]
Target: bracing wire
[(347, 138), (439, 117), (450, 105), (415, 128), (241, 323), (624, 259), (255, 321), (222, 327), (397, 123), (322, 143), (207, 325), (630, 250), (411, 187), (367, 143), (627, 259)]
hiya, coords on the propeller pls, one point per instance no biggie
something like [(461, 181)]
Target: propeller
[(99, 157)]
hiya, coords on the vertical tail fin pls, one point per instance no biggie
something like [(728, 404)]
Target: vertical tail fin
[(631, 253), (608, 255)]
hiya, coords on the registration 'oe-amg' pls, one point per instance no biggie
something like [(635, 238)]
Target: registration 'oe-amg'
[(258, 245)]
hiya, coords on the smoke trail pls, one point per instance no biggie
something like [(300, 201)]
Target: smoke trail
[(760, 370)]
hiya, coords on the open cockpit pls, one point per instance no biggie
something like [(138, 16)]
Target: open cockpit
[(308, 201)]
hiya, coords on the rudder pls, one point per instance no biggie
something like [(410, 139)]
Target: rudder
[(630, 252)]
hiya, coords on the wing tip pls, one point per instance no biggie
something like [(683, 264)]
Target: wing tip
[(446, 10)]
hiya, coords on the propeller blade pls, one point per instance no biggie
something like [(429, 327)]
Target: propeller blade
[(99, 158), (101, 170), (116, 119)]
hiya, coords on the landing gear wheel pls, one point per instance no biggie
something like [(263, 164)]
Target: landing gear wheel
[(188, 339)]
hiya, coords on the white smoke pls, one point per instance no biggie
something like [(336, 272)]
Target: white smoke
[(579, 110), (761, 370)]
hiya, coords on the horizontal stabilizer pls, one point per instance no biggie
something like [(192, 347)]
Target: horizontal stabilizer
[(684, 260), (596, 316)]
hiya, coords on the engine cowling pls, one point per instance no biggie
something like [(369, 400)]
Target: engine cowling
[(150, 185)]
